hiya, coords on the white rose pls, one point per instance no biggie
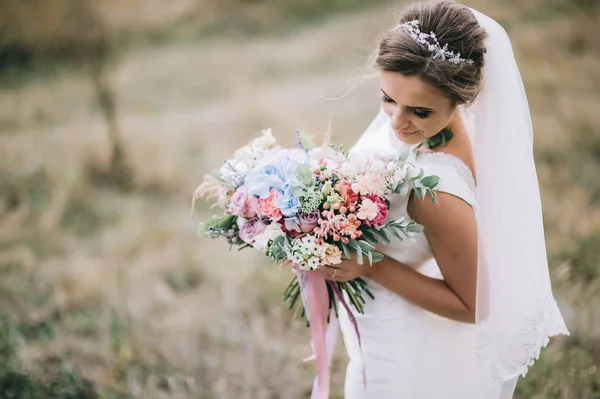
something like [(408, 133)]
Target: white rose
[(271, 232)]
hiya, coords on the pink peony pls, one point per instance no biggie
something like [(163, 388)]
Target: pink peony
[(267, 208), (251, 229), (382, 214), (243, 203)]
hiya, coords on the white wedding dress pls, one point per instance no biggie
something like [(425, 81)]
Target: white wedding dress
[(408, 352)]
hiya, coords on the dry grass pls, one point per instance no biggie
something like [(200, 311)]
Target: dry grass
[(115, 283)]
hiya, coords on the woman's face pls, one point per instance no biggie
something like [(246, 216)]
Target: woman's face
[(416, 109)]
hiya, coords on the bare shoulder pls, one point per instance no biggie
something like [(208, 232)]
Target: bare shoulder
[(444, 215)]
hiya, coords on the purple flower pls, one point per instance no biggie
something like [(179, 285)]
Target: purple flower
[(308, 221), (251, 229)]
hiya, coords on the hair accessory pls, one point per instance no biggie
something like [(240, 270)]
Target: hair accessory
[(430, 41)]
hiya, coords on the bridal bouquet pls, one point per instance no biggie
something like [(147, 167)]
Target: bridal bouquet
[(311, 205)]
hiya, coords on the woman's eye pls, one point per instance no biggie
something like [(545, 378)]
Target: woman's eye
[(386, 99), (421, 114)]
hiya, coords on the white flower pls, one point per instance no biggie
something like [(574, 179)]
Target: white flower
[(266, 141), (304, 266), (271, 232), (368, 210), (314, 262), (357, 164), (308, 239), (248, 156), (307, 248)]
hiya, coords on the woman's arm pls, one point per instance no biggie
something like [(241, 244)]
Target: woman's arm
[(451, 231)]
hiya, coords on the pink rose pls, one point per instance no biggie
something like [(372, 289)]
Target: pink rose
[(308, 221), (243, 203), (251, 229), (267, 208), (382, 215)]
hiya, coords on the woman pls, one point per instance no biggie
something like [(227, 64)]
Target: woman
[(465, 308)]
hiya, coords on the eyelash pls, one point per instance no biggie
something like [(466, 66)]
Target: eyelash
[(417, 113), (421, 114)]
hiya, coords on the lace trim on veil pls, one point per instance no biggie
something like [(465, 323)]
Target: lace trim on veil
[(545, 322)]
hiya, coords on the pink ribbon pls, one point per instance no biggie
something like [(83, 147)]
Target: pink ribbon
[(316, 302), (313, 290)]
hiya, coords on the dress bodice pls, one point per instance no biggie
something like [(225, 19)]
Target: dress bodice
[(455, 178)]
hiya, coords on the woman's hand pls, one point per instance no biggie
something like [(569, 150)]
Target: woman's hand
[(346, 271)]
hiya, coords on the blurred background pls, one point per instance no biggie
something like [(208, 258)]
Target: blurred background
[(111, 111)]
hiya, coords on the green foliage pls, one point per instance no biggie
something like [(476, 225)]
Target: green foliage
[(52, 379), (584, 257), (304, 175), (567, 373)]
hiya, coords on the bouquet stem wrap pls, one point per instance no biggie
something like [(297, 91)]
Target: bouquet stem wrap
[(323, 328)]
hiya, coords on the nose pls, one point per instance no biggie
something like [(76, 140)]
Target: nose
[(399, 119)]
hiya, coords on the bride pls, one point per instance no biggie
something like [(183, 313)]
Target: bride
[(464, 309)]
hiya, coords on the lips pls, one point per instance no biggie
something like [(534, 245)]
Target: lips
[(404, 134)]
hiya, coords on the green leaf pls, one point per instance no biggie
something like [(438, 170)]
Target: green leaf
[(359, 255), (415, 228), (370, 257), (419, 193), (430, 181), (377, 257), (227, 221), (369, 237), (277, 249), (304, 175), (417, 177), (396, 233), (364, 245), (208, 223), (305, 140), (381, 236), (346, 250)]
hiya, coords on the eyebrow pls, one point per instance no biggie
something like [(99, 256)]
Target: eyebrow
[(421, 108)]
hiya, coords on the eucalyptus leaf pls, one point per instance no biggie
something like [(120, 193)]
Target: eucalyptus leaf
[(369, 237), (415, 228), (377, 257), (359, 255), (418, 177), (346, 250), (304, 175), (365, 246), (382, 237), (430, 181)]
